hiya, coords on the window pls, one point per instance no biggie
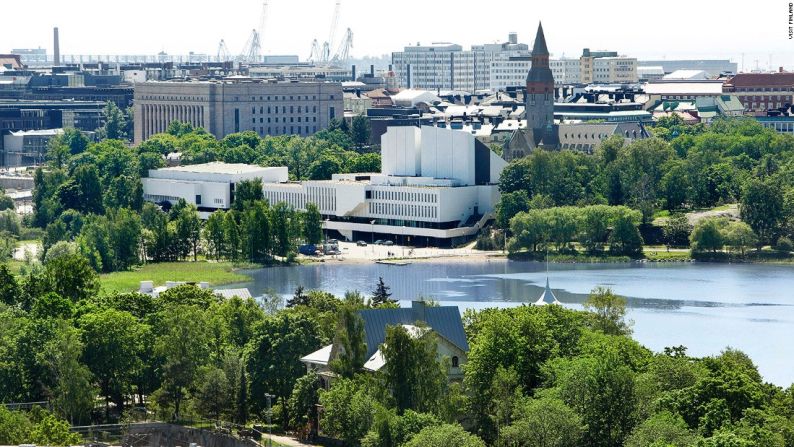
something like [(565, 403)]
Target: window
[(198, 200)]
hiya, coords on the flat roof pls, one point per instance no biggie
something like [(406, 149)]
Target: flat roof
[(217, 167)]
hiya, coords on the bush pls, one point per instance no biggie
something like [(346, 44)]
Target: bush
[(784, 244)]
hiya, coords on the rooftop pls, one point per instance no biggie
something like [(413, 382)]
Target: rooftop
[(217, 167), (761, 79)]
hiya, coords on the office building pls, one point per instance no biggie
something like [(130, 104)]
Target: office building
[(760, 92), (209, 186), (237, 104), (714, 67), (27, 147)]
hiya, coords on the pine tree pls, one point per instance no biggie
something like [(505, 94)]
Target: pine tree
[(381, 295), (298, 298), (242, 399)]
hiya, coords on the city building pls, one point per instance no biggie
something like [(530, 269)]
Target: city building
[(419, 320), (237, 104), (32, 56), (437, 186), (674, 89), (496, 67), (714, 67), (17, 115), (760, 92), (542, 131), (27, 147), (780, 124), (446, 66), (209, 186)]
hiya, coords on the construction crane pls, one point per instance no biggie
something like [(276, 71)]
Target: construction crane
[(315, 55), (252, 51), (328, 44), (343, 53), (223, 52)]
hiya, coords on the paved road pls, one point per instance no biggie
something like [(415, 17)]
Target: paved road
[(284, 440)]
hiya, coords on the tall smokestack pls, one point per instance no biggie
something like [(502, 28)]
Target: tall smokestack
[(56, 59)]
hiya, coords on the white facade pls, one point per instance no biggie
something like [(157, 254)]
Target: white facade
[(435, 183), (209, 186)]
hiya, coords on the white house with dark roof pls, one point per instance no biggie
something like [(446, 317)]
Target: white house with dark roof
[(419, 320)]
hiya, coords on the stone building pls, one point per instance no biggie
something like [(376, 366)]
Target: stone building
[(237, 104)]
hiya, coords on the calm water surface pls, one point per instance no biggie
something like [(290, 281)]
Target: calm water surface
[(705, 307)]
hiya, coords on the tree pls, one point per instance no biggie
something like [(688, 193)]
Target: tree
[(72, 277), (443, 436), (53, 431), (707, 235), (183, 345), (676, 230), (312, 224), (115, 123), (348, 411), (231, 236), (601, 389), (113, 342), (324, 168), (530, 230), (761, 207), (739, 236), (213, 394), (625, 238), (360, 130), (9, 288), (381, 294), (273, 355), (414, 375), (215, 234), (256, 232), (609, 310), (594, 227), (188, 230), (544, 422), (663, 429), (510, 204), (298, 298), (349, 340), (284, 223), (247, 191), (74, 394), (303, 400)]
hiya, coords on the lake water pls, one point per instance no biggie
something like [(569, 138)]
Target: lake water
[(705, 307)]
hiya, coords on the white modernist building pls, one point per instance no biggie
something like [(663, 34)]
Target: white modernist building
[(437, 187), (209, 186)]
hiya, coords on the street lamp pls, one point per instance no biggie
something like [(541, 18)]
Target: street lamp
[(269, 424)]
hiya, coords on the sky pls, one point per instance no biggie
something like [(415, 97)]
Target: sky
[(666, 29)]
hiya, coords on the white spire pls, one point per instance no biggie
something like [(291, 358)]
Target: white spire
[(548, 296)]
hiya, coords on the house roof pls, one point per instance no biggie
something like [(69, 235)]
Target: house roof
[(444, 320), (684, 88), (319, 357), (761, 79), (540, 42), (230, 293)]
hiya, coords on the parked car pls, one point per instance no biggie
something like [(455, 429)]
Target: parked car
[(379, 242), (361, 243), (388, 243), (307, 249)]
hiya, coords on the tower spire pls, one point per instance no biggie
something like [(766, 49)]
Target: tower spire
[(539, 47)]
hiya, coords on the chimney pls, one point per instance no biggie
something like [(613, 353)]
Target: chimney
[(353, 71), (56, 59), (780, 69), (372, 71), (512, 38), (390, 67)]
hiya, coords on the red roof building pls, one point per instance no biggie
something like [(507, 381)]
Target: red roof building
[(760, 92), (10, 61)]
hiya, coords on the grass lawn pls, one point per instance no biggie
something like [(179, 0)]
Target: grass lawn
[(216, 273), (661, 254), (14, 266)]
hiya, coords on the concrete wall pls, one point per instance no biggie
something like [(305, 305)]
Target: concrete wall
[(169, 435)]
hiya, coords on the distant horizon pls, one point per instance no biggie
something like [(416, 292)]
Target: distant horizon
[(658, 34)]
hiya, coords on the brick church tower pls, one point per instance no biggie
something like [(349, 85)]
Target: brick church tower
[(540, 93)]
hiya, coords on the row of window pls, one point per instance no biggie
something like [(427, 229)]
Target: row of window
[(405, 196), (284, 120), (403, 210), (283, 130), (301, 109)]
